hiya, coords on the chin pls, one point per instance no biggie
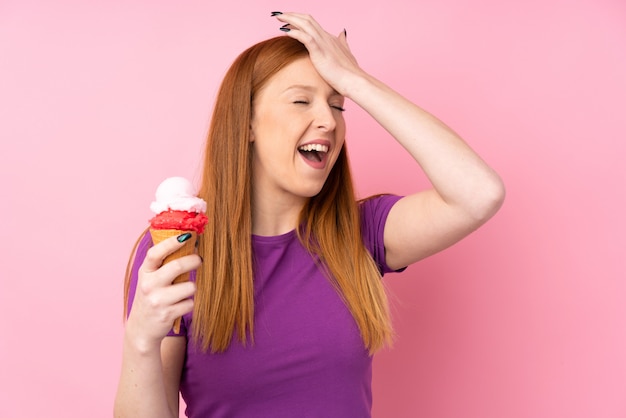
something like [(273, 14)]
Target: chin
[(311, 191)]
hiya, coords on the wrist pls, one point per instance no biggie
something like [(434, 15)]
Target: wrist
[(356, 84), (141, 345)]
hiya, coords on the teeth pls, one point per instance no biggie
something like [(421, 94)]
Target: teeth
[(314, 147)]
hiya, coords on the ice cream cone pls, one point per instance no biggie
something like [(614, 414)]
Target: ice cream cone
[(178, 210), (159, 235)]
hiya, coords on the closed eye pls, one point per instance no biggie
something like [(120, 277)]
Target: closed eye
[(336, 107)]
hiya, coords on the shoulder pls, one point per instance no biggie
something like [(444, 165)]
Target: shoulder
[(376, 206), (374, 211)]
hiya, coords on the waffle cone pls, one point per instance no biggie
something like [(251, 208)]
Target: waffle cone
[(188, 248), (159, 235)]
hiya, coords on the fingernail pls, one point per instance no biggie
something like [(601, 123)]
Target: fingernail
[(184, 237), (345, 32), (276, 13), (284, 28)]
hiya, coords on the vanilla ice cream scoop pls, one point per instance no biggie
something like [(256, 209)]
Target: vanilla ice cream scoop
[(177, 193)]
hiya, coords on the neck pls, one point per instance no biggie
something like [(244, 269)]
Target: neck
[(273, 216)]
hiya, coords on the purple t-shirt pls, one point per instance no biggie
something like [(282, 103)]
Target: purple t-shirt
[(308, 357)]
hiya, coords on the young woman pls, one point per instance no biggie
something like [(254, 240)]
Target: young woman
[(286, 306)]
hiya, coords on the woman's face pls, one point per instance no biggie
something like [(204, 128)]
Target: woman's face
[(297, 132)]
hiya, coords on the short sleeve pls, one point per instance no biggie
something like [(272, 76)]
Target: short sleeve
[(145, 243), (374, 212)]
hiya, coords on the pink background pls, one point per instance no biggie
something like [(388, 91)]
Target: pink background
[(525, 318)]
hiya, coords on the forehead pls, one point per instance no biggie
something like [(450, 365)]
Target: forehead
[(299, 74)]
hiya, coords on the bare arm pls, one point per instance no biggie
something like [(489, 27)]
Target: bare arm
[(149, 382), (151, 362), (466, 192)]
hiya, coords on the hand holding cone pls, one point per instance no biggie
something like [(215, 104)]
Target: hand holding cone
[(177, 210), (188, 248)]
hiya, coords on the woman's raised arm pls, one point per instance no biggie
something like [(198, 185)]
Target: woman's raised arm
[(466, 191)]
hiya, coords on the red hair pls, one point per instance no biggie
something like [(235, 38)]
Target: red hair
[(331, 226)]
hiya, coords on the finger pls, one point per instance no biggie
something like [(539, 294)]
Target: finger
[(171, 295), (156, 254), (160, 301), (181, 308), (160, 312), (172, 269), (312, 42), (302, 22), (343, 36), (343, 39)]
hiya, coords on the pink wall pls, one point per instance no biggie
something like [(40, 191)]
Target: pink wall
[(101, 100)]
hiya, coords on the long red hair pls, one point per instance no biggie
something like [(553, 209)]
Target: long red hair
[(224, 302)]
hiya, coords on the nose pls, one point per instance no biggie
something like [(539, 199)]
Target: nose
[(324, 117)]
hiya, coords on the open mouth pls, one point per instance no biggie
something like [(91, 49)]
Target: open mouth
[(313, 152)]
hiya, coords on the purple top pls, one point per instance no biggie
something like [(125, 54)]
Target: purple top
[(308, 359)]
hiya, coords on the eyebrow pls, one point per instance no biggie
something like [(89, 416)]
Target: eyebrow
[(309, 88)]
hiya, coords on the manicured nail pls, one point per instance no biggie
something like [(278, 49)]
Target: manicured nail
[(184, 237), (276, 13), (284, 28), (345, 33)]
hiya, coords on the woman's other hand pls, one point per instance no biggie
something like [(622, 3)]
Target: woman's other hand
[(157, 301)]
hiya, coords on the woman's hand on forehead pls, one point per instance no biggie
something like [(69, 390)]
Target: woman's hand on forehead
[(329, 54)]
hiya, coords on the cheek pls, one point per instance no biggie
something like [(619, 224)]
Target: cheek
[(340, 127), (340, 133)]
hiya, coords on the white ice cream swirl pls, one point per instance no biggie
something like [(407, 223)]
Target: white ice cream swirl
[(177, 193)]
